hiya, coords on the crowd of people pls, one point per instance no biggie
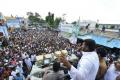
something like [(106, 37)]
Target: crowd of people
[(20, 51), (18, 55)]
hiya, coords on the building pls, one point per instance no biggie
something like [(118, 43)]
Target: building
[(91, 24), (110, 26), (69, 28), (16, 22), (3, 27), (64, 27)]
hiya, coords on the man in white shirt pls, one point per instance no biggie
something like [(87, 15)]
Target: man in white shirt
[(28, 63), (13, 73), (11, 78), (23, 55), (88, 64), (113, 72), (33, 58), (19, 68)]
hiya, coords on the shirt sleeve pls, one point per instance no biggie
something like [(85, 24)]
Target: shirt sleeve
[(82, 71)]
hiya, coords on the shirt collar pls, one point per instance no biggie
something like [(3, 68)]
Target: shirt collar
[(87, 53)]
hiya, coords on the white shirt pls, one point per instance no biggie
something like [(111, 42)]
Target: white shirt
[(28, 62), (111, 73), (23, 56), (19, 69), (87, 67), (11, 78), (33, 57), (13, 73)]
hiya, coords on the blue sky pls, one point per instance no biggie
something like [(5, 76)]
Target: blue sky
[(106, 11)]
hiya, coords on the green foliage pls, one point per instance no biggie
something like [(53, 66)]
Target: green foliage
[(97, 26), (74, 22), (57, 21), (35, 18), (37, 15), (112, 27), (51, 21)]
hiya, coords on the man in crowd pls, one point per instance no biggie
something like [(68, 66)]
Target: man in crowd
[(103, 29), (57, 74), (103, 67), (113, 72), (88, 64), (28, 63), (33, 58), (119, 32)]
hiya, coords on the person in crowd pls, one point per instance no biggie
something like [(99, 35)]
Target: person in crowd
[(1, 73), (13, 61), (19, 68), (6, 73), (119, 32), (118, 77), (103, 29), (18, 77), (79, 44), (28, 63), (113, 72), (11, 77), (33, 58), (13, 73), (103, 67), (88, 64), (56, 74), (87, 28)]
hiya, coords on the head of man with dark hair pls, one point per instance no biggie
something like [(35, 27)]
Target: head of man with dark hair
[(56, 66), (101, 52), (79, 41), (56, 74), (88, 45)]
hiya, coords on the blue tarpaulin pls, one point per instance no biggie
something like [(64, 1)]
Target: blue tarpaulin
[(105, 41)]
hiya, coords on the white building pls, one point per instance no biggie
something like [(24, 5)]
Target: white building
[(84, 23), (66, 27)]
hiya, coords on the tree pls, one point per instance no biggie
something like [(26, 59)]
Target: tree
[(96, 26), (112, 27), (35, 18), (29, 14), (57, 21), (52, 22), (74, 22), (37, 15), (50, 19)]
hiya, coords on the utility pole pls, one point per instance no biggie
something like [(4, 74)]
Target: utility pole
[(64, 17)]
